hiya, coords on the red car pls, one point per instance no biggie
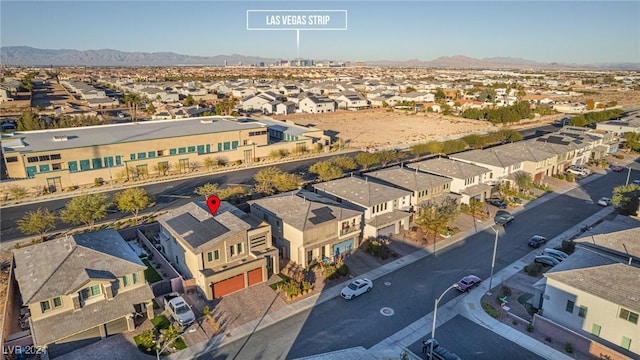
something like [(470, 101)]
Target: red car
[(617, 168), (467, 283)]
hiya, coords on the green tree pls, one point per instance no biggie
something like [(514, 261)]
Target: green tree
[(85, 209), (388, 156), (133, 200), (626, 198), (189, 100), (133, 101), (434, 219), (326, 170), (523, 180), (287, 182), (344, 162), (632, 141), (265, 180), (475, 141), (28, 120), (38, 222), (475, 207), (410, 89), (161, 168), (234, 193), (207, 190), (366, 159), (439, 95), (453, 146), (150, 109)]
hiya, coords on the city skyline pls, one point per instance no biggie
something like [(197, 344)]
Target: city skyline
[(587, 32)]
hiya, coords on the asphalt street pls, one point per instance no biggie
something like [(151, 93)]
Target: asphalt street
[(339, 324), (167, 195)]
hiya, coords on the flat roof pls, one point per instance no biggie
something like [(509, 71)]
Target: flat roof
[(43, 140)]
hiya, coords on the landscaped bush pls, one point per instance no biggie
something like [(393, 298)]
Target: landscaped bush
[(567, 247), (377, 249), (490, 310), (534, 269), (568, 347), (334, 272)]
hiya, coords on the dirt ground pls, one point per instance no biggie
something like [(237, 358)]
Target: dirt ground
[(375, 128)]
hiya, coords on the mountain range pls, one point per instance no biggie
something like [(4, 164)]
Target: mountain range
[(29, 56)]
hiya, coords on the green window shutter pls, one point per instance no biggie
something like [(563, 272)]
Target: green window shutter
[(595, 330)]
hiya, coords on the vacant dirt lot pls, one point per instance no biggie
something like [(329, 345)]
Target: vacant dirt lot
[(380, 128)]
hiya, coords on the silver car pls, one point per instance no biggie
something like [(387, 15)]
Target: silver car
[(546, 260)]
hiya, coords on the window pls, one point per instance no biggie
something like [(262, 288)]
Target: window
[(234, 145), (626, 342), (191, 149), (73, 166), (209, 256), (108, 161), (582, 311), (56, 166), (133, 156), (240, 248), (32, 159), (219, 146), (45, 305), (160, 153), (90, 292), (227, 146), (569, 307), (85, 165), (628, 315), (151, 154), (11, 159), (97, 163), (182, 150), (55, 157), (135, 278), (44, 168), (216, 254), (142, 155), (232, 250), (200, 149), (44, 158), (125, 281), (57, 302), (172, 151), (118, 160), (595, 330)]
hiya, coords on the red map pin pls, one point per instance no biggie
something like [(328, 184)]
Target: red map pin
[(213, 202)]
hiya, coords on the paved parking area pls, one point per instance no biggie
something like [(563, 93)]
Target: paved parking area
[(472, 341)]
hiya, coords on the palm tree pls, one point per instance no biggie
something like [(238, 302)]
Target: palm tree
[(133, 102)]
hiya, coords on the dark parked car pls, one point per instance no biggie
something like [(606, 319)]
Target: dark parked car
[(497, 203), (467, 283), (537, 240)]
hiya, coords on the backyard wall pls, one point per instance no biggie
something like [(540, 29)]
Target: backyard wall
[(580, 343), (172, 275)]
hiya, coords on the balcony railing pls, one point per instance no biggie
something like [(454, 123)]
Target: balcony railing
[(348, 229)]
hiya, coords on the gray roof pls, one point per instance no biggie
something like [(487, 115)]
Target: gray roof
[(52, 328), (524, 150), (409, 179), (361, 192), (43, 140), (61, 266), (198, 229), (388, 218), (619, 236), (450, 168), (487, 157), (612, 282), (303, 212)]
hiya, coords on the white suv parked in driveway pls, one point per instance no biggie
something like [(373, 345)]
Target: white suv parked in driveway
[(578, 170)]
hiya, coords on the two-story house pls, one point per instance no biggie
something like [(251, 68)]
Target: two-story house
[(307, 227), (317, 104), (502, 165), (595, 291), (424, 187), (537, 162), (468, 180), (80, 288), (224, 253), (386, 209)]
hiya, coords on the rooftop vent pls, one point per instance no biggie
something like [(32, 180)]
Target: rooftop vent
[(60, 138)]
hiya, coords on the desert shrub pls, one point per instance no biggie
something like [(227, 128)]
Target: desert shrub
[(568, 247), (568, 347), (490, 309), (529, 328), (533, 269)]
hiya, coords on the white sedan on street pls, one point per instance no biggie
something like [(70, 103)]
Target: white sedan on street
[(356, 288)]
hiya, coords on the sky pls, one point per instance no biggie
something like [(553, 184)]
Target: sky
[(581, 32)]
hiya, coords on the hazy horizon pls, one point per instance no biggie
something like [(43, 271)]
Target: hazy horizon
[(587, 32)]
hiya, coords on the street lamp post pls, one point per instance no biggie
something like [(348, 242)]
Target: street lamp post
[(628, 176), (493, 260), (435, 315)]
